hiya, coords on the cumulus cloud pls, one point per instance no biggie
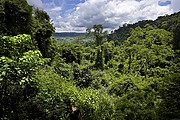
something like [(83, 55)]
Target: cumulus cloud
[(36, 3), (110, 13)]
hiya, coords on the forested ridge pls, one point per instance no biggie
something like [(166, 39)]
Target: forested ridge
[(131, 74)]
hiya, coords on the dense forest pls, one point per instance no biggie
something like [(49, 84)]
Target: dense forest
[(131, 74)]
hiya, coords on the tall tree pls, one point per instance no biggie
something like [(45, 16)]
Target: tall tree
[(42, 31), (97, 32), (16, 17), (99, 35)]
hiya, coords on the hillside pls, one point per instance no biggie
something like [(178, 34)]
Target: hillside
[(168, 22)]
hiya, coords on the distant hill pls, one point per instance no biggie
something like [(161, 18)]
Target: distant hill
[(68, 35), (168, 22)]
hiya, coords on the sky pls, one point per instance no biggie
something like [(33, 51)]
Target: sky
[(78, 15)]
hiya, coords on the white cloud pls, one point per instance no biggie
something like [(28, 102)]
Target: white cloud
[(57, 9), (36, 3), (162, 0), (175, 5), (110, 13)]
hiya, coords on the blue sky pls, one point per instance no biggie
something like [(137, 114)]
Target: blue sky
[(61, 6), (164, 3), (77, 15)]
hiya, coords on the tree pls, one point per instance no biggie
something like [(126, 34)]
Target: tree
[(42, 32), (170, 98), (16, 17), (149, 51), (18, 62), (97, 32), (108, 48)]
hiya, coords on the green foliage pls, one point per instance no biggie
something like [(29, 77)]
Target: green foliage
[(15, 46), (42, 31), (108, 48), (85, 77), (93, 105), (168, 22), (99, 63), (72, 53), (97, 32), (149, 52), (100, 36), (55, 95), (169, 91), (16, 17), (134, 76), (17, 65), (136, 99)]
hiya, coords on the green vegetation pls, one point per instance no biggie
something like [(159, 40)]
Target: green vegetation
[(132, 75)]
